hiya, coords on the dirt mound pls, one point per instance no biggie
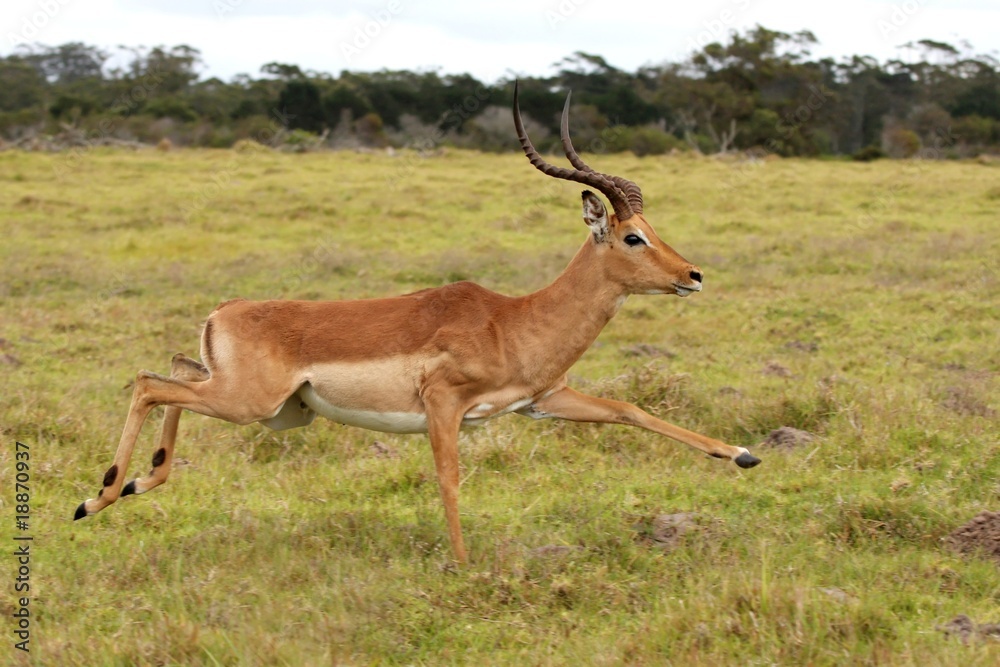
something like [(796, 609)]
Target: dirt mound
[(777, 370), (554, 550), (965, 629), (802, 346), (383, 451), (646, 350), (665, 530), (981, 535), (787, 437), (964, 401)]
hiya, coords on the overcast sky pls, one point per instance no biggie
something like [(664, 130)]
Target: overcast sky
[(488, 40)]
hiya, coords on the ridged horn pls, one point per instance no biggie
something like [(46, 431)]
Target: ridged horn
[(623, 194), (628, 188)]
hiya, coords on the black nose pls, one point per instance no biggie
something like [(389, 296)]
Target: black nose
[(695, 276)]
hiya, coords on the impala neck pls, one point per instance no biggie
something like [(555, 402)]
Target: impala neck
[(568, 315)]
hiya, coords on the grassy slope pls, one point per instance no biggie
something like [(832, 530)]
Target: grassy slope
[(305, 547)]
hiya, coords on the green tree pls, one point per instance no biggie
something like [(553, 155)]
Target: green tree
[(300, 102), (23, 84)]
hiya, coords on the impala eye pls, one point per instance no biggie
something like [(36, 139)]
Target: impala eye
[(632, 239)]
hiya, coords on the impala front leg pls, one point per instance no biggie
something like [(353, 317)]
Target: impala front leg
[(572, 405), (443, 423)]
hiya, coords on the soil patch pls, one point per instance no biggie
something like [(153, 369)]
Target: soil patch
[(787, 437), (964, 401), (9, 360), (966, 629), (383, 451), (554, 550), (646, 350), (981, 535), (666, 530), (777, 370), (803, 346)]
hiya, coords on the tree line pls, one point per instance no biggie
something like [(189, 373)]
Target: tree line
[(760, 91)]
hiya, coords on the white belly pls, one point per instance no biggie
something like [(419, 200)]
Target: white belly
[(389, 422), (293, 414)]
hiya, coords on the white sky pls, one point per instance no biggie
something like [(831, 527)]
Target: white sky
[(487, 40)]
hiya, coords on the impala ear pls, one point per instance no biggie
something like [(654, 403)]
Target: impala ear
[(595, 215)]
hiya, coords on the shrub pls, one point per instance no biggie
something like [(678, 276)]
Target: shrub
[(258, 128), (249, 146), (868, 153), (301, 141), (491, 131), (977, 131), (171, 107), (15, 123), (899, 142), (370, 130), (651, 140)]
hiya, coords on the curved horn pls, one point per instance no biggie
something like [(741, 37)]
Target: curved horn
[(566, 141), (582, 174), (628, 189)]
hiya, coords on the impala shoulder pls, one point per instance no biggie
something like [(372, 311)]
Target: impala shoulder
[(471, 290), (464, 293)]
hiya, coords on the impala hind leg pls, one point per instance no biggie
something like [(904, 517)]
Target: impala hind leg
[(241, 399), (112, 484), (572, 405), (182, 368)]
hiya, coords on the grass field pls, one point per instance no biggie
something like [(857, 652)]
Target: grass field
[(859, 302)]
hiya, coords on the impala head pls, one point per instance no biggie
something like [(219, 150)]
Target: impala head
[(632, 254)]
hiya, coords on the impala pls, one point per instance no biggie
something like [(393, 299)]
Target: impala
[(428, 362)]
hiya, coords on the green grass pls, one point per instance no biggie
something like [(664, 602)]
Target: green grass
[(876, 285)]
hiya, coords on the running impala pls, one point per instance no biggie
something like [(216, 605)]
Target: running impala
[(428, 362)]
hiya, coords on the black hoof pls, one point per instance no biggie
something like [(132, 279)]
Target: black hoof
[(747, 460), (80, 512), (129, 489)]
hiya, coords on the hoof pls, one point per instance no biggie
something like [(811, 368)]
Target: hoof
[(747, 460), (128, 490), (80, 512)]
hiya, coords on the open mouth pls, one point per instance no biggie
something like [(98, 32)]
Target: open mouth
[(685, 291)]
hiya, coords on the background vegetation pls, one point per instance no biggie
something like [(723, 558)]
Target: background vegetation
[(855, 301), (760, 91)]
